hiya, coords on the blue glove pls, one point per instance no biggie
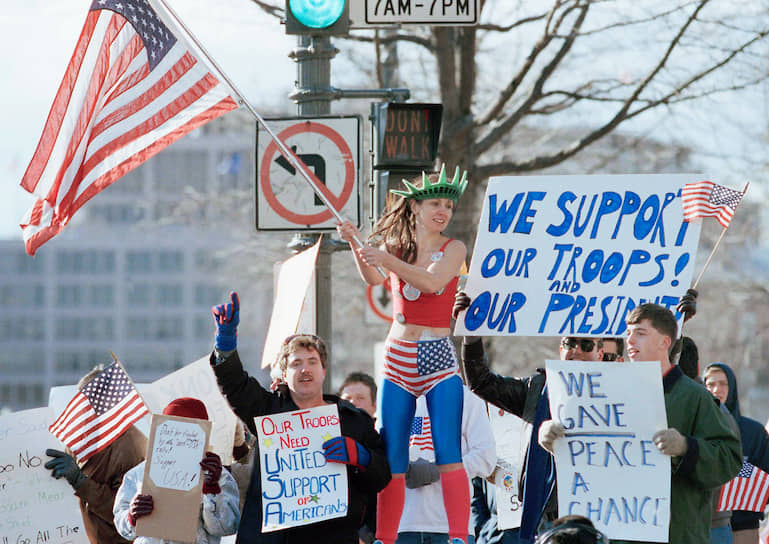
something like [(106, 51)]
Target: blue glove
[(343, 449), (227, 317)]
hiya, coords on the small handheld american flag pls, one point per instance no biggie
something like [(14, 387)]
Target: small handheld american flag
[(99, 413), (708, 199), (421, 435), (749, 490)]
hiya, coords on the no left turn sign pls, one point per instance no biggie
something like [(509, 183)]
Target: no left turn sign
[(329, 146)]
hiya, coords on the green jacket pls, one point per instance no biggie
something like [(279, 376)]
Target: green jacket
[(713, 456)]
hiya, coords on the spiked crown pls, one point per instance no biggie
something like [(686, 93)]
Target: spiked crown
[(442, 189)]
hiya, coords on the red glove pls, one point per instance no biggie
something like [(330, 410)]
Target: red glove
[(212, 470), (141, 505)]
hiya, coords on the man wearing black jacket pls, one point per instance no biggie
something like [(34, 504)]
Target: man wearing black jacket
[(303, 365)]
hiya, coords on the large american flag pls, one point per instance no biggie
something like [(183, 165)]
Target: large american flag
[(99, 413), (749, 490), (708, 199), (421, 436), (133, 86)]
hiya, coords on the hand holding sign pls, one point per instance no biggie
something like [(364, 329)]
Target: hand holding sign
[(64, 466), (687, 306), (670, 442), (212, 470), (141, 505), (549, 432), (343, 449)]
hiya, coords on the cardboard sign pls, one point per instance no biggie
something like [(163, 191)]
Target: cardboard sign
[(511, 435), (34, 507), (572, 255), (172, 475), (607, 466), (298, 485), (197, 380)]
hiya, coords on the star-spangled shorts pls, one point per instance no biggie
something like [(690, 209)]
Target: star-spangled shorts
[(418, 366)]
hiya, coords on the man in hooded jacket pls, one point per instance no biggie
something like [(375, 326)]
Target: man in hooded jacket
[(722, 383)]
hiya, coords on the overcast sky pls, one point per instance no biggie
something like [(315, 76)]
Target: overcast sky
[(38, 37)]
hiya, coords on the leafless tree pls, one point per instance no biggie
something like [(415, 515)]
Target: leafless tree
[(592, 64)]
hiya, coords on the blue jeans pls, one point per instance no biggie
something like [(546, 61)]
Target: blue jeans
[(427, 538), (721, 535)]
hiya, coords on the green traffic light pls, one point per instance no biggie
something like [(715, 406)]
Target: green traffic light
[(317, 13)]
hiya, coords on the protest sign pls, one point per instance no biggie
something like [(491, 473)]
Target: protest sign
[(289, 310), (511, 435), (172, 475), (572, 255), (34, 507), (607, 466), (197, 380), (298, 485)]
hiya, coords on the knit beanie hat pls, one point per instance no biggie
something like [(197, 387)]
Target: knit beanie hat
[(186, 407)]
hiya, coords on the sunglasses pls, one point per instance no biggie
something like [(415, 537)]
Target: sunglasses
[(585, 344)]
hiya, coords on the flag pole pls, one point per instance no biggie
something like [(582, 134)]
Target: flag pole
[(319, 189), (718, 242)]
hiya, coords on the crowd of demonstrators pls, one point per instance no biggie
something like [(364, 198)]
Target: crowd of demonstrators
[(97, 481), (302, 361), (219, 512), (721, 382), (424, 518), (424, 267)]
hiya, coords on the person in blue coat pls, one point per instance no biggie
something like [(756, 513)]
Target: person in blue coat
[(722, 383)]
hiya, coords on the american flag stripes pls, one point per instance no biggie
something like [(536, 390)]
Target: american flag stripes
[(749, 490), (708, 199), (132, 87), (99, 413), (421, 436), (418, 366)]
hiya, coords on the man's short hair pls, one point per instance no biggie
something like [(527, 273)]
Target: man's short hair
[(301, 341), (360, 377), (660, 318), (618, 340), (572, 529)]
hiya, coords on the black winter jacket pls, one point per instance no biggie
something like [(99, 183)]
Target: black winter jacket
[(249, 399)]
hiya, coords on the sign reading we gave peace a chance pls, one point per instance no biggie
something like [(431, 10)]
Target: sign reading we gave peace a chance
[(298, 485), (607, 466), (572, 255)]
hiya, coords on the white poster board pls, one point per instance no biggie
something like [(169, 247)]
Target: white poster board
[(34, 507), (298, 485), (511, 435), (572, 255), (607, 466), (197, 380), (293, 285)]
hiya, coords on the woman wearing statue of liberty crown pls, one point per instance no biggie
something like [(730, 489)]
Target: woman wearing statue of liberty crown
[(424, 267)]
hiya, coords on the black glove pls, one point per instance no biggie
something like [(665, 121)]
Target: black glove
[(141, 505), (212, 470), (64, 466), (688, 304), (420, 473)]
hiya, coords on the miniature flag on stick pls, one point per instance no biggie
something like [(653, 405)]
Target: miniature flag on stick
[(134, 85), (99, 413), (749, 490), (708, 199)]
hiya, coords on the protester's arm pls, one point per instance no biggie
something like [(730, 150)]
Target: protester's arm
[(368, 273), (244, 393), (122, 506), (504, 392), (481, 456), (713, 453), (757, 449), (221, 511)]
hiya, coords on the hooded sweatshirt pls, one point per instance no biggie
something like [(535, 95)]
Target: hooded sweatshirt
[(755, 446)]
